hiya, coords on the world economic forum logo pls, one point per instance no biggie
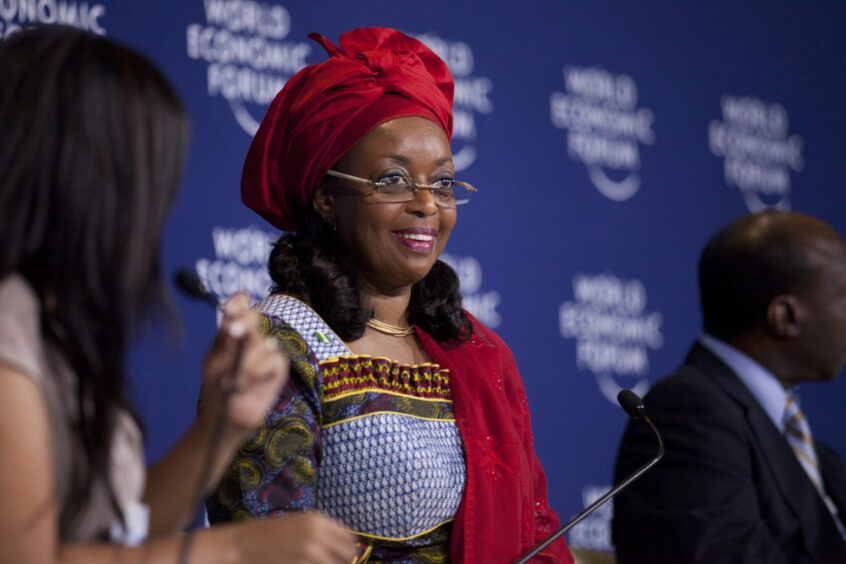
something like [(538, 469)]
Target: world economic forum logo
[(472, 95), (16, 15), (247, 58), (481, 302), (613, 331), (605, 128), (239, 263), (758, 152)]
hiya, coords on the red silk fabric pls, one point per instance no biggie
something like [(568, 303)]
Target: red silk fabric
[(377, 74), (504, 512)]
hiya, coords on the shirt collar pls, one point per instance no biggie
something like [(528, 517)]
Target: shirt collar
[(761, 383)]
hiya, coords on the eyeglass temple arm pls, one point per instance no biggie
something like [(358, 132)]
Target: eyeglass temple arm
[(337, 174)]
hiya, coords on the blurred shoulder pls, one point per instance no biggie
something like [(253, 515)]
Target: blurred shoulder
[(17, 297), (20, 327)]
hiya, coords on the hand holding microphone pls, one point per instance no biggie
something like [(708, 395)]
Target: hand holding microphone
[(243, 372)]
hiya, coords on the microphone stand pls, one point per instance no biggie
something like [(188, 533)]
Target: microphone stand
[(635, 408)]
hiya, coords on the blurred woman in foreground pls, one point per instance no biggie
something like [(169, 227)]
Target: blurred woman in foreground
[(91, 149)]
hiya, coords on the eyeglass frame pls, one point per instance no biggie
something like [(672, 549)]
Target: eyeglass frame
[(415, 187)]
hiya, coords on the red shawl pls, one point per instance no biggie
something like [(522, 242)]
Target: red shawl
[(504, 512)]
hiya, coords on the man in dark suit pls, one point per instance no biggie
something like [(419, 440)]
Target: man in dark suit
[(742, 481)]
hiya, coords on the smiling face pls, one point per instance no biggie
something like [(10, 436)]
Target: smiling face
[(394, 245)]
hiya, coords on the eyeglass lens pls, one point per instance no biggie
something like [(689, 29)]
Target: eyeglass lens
[(404, 191)]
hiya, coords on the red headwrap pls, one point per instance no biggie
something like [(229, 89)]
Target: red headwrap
[(377, 74)]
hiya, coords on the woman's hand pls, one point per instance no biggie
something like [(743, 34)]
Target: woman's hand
[(245, 364), (298, 538), (242, 377)]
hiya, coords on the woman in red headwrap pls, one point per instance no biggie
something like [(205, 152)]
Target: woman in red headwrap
[(404, 417)]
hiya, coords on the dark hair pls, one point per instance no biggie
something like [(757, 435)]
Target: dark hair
[(90, 158), (311, 266), (748, 263)]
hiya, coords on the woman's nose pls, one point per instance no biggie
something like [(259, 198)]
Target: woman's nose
[(423, 202)]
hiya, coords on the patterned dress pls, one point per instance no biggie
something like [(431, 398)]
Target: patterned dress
[(365, 439)]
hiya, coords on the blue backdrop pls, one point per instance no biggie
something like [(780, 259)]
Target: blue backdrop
[(608, 140)]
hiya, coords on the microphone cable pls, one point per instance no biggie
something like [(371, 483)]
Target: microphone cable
[(191, 285)]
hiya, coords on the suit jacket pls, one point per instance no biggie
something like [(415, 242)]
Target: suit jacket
[(729, 489)]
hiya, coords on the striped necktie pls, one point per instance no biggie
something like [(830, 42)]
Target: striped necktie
[(798, 435)]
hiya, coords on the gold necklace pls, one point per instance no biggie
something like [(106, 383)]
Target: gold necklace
[(389, 329)]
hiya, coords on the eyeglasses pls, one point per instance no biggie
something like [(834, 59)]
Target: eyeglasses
[(396, 188)]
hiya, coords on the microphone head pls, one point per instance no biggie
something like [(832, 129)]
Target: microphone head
[(631, 403), (191, 285)]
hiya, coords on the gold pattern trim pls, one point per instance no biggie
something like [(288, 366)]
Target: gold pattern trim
[(400, 539), (450, 419), (383, 391), (354, 356)]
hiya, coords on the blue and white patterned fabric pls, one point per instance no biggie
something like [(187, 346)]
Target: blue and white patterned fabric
[(392, 463), (391, 476), (322, 341)]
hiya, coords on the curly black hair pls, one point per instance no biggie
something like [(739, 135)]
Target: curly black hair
[(311, 266)]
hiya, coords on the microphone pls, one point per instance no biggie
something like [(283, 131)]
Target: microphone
[(191, 285), (633, 405)]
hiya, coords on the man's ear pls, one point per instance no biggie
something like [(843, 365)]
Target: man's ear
[(324, 203), (785, 316)]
